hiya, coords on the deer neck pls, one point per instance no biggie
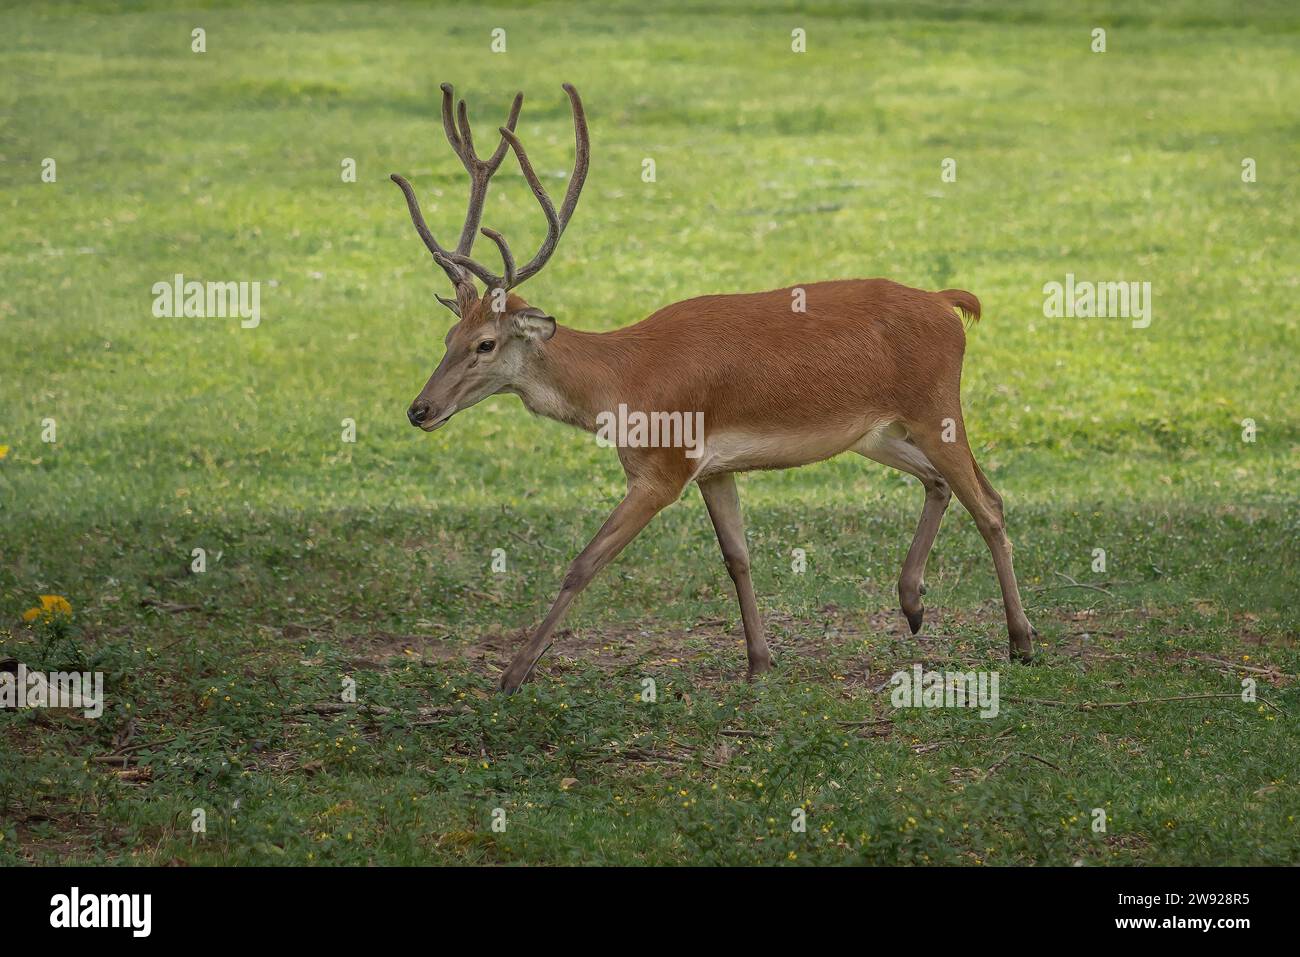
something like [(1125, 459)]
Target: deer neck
[(574, 378)]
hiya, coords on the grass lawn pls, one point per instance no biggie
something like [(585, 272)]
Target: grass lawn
[(372, 561)]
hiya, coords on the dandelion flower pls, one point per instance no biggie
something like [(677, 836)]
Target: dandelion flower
[(52, 607)]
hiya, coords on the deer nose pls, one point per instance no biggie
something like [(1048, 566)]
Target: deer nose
[(418, 412)]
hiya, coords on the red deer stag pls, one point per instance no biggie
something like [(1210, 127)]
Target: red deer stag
[(867, 365)]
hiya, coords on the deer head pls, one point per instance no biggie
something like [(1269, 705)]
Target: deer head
[(497, 333)]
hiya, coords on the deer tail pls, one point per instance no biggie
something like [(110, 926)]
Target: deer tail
[(963, 300)]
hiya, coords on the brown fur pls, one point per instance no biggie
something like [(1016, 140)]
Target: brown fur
[(747, 360), (868, 365)]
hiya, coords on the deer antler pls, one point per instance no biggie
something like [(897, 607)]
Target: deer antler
[(457, 264), (555, 223), (480, 171)]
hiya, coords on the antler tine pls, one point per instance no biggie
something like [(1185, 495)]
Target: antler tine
[(582, 156), (480, 172), (506, 258), (553, 227), (495, 159), (441, 256), (466, 137), (548, 207), (448, 121), (555, 222)]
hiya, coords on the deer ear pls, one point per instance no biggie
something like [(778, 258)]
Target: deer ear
[(450, 304), (532, 324)]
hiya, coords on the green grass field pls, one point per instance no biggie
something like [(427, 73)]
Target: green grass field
[(372, 560)]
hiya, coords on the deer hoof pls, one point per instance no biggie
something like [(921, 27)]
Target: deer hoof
[(1023, 651), (915, 619), (508, 683)]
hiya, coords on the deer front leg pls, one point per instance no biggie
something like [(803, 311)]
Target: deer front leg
[(623, 525), (723, 503)]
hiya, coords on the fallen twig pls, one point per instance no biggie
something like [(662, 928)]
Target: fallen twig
[(1034, 757), (1089, 705), (169, 607), (154, 744), (1024, 754), (929, 746), (134, 775), (642, 755), (1272, 670), (1072, 583), (998, 763), (343, 707), (529, 541)]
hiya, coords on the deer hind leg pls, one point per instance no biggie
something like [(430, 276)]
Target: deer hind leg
[(896, 451), (723, 503), (954, 461), (623, 525)]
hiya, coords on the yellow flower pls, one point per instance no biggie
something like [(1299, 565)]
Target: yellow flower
[(4, 450), (52, 606)]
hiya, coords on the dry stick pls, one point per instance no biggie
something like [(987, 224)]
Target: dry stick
[(1087, 705), (1185, 697), (173, 643), (1072, 583), (125, 754), (170, 607), (1047, 701), (1024, 754), (637, 754), (927, 747), (342, 707), (529, 541), (1078, 584), (998, 763), (1272, 670), (152, 744)]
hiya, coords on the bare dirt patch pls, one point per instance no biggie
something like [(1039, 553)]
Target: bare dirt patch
[(861, 648)]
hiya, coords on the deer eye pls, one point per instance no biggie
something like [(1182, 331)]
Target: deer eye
[(487, 345)]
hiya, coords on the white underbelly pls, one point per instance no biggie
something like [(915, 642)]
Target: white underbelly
[(737, 451)]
